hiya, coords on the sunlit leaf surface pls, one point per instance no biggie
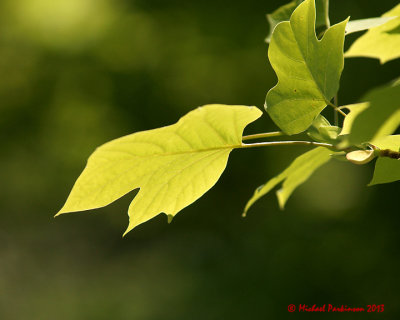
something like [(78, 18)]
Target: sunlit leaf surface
[(173, 166), (308, 69), (365, 24), (355, 110), (379, 119), (382, 42), (284, 12)]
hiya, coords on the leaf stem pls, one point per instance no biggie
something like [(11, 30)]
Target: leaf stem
[(263, 135), (336, 117), (336, 108), (285, 143)]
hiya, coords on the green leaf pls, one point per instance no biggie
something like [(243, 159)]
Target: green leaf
[(391, 142), (297, 173), (387, 170), (173, 166), (380, 118), (365, 24), (308, 69), (284, 12), (355, 110), (322, 131), (382, 42)]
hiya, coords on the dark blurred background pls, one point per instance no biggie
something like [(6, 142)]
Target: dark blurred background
[(77, 73)]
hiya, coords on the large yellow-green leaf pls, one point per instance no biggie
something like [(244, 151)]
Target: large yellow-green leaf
[(382, 42), (173, 166), (284, 12), (387, 169), (297, 173), (308, 69), (380, 118)]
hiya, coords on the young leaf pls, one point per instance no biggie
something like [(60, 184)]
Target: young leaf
[(322, 131), (297, 173), (382, 42), (308, 69), (284, 12), (173, 166), (386, 169), (360, 156), (379, 119), (365, 24)]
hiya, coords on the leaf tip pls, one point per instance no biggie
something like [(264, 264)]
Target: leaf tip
[(281, 199), (60, 212), (127, 231), (248, 205), (258, 113), (131, 224), (371, 183)]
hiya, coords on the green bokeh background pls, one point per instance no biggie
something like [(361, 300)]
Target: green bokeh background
[(78, 73)]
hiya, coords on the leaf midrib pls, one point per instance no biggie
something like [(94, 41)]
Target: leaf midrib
[(176, 153)]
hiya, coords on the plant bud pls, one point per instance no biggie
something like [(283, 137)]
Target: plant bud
[(360, 156)]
